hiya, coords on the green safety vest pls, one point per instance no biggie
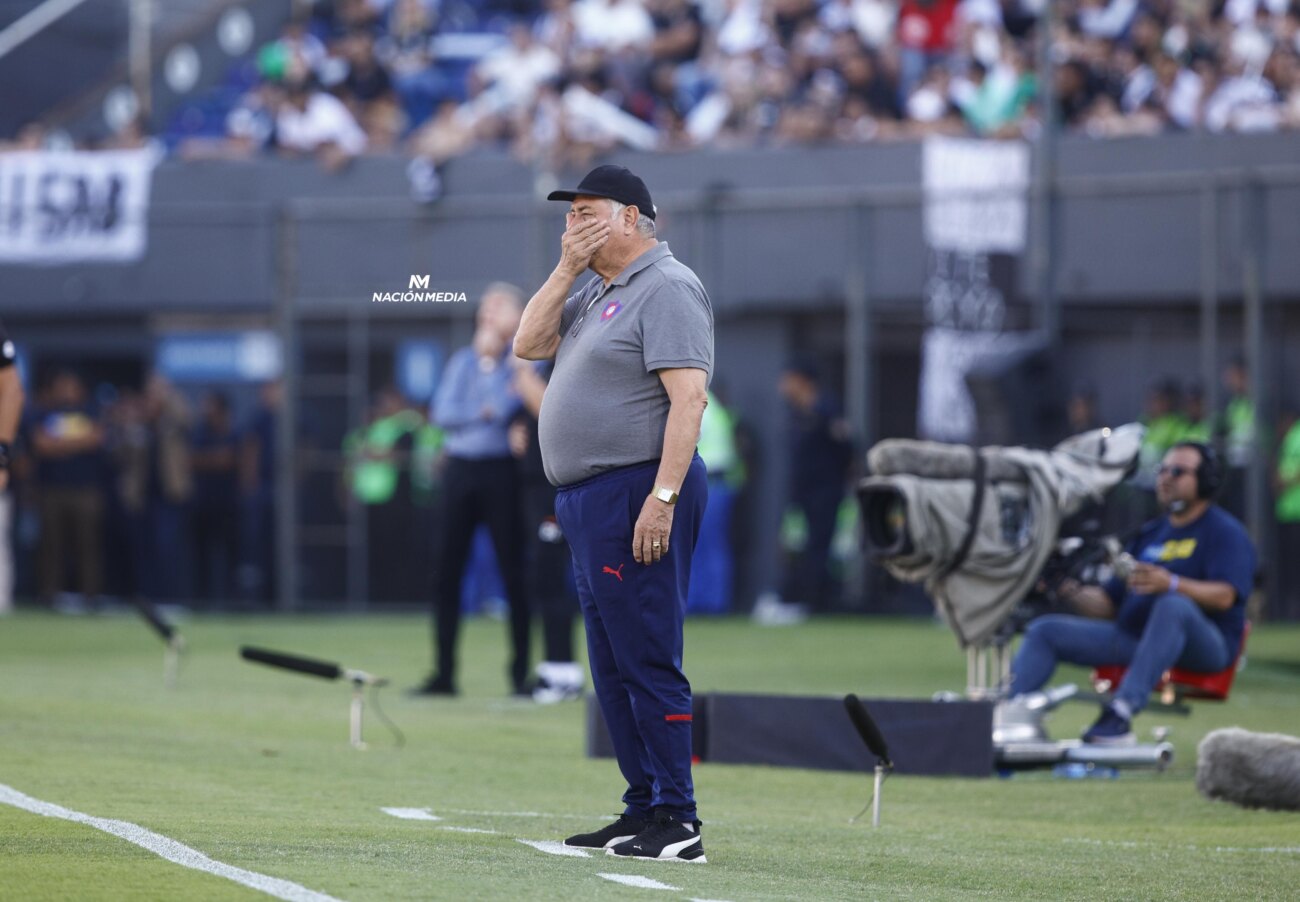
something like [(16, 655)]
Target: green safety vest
[(1162, 434), (1288, 468), (1239, 417), (374, 479), (717, 445), (1201, 432)]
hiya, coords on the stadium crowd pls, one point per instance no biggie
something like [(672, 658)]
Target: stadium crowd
[(560, 82)]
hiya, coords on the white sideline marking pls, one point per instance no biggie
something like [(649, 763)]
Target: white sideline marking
[(411, 814), (466, 830), (580, 817), (551, 847), (1268, 850), (170, 849), (638, 882)]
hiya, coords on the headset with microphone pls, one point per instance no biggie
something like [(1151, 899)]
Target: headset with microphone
[(1209, 474)]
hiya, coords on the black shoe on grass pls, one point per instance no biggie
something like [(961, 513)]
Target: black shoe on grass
[(625, 828), (667, 839), (434, 685)]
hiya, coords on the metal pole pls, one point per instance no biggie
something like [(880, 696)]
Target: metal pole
[(34, 22), (140, 52), (1210, 296), (1252, 292), (875, 795), (356, 713), (357, 324), (857, 354), (286, 475), (1044, 281)]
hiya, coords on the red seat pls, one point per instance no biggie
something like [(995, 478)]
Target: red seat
[(1177, 683)]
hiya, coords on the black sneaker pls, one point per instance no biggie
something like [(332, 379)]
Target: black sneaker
[(667, 839), (434, 685), (1112, 728), (625, 828)]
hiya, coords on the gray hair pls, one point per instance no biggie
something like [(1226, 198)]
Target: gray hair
[(511, 291), (645, 226)]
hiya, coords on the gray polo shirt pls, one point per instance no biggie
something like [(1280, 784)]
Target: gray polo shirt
[(605, 406)]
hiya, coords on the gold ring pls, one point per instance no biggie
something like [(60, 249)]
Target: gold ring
[(656, 544)]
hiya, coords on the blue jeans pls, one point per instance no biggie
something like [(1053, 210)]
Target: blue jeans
[(1177, 634)]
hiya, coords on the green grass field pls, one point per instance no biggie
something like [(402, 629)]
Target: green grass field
[(252, 768)]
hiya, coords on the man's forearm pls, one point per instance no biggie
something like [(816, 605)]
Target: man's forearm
[(11, 404), (539, 327), (681, 435), (1211, 595)]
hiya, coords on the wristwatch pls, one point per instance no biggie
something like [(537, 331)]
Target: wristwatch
[(667, 496)]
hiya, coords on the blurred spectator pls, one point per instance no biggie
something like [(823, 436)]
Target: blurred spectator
[(216, 501), (257, 482), (32, 136), (132, 135), (1240, 439), (311, 122), (407, 51), (296, 56), (1200, 424), (995, 98), (11, 407), (67, 441), (1081, 413), (927, 32), (507, 79), (1165, 425), (1287, 484), (819, 456), (378, 473), (156, 479), (475, 403), (612, 26), (368, 91)]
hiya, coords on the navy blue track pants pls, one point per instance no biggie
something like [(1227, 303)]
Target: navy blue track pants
[(634, 615)]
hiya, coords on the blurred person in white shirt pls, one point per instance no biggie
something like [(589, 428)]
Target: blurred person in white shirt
[(312, 122)]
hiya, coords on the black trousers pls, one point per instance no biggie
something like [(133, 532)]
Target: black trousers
[(814, 583), (216, 551), (548, 573), (474, 492)]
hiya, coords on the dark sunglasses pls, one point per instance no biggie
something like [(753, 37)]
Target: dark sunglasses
[(1174, 471)]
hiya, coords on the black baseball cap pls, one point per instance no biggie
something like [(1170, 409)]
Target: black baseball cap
[(614, 182)]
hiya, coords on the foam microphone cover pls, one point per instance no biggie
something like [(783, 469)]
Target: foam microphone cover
[(867, 728), (1254, 770), (308, 666)]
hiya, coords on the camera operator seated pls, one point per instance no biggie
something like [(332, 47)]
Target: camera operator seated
[(1183, 605)]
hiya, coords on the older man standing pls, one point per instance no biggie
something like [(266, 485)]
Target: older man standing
[(633, 353)]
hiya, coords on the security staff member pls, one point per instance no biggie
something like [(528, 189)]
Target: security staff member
[(619, 423)]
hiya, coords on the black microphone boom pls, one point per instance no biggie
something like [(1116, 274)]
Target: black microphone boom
[(867, 729), (155, 620), (309, 666)]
